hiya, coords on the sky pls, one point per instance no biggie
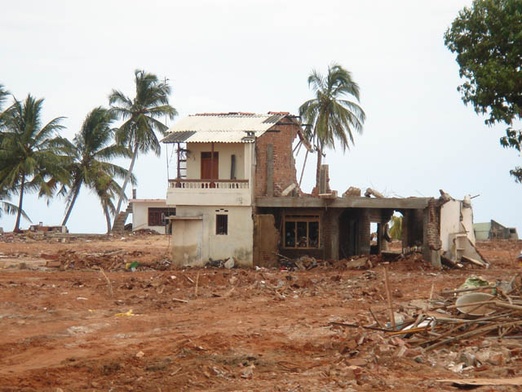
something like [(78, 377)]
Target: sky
[(256, 56)]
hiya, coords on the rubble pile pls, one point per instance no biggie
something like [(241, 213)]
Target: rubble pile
[(478, 308), (110, 260)]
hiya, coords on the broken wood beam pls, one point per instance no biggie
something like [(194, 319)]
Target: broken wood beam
[(388, 295)]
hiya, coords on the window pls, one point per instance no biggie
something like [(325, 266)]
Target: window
[(301, 231), (221, 224), (157, 215)]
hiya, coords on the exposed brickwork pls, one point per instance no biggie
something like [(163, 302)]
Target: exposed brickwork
[(280, 136), (364, 232), (433, 225)]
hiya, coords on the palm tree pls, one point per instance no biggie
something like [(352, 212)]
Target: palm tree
[(91, 152), (10, 208), (141, 116), (330, 116), (107, 190), (31, 154), (5, 205), (3, 94)]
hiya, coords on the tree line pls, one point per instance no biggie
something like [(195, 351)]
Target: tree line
[(34, 157)]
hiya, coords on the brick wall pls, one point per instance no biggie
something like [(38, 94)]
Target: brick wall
[(284, 171), (433, 225), (364, 232)]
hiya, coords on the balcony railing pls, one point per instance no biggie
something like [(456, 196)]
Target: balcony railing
[(208, 184)]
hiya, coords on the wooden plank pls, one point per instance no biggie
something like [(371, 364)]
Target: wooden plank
[(485, 381)]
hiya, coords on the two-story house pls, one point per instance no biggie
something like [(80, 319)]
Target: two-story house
[(224, 162), (236, 196)]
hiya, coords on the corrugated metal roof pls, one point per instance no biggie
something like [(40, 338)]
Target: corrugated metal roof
[(222, 127)]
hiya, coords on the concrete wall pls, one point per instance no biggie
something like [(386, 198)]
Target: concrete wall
[(225, 150), (140, 214), (455, 218), (186, 240), (238, 243)]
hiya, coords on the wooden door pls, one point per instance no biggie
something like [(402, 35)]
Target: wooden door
[(209, 166)]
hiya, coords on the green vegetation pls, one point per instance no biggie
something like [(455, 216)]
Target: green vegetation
[(331, 117), (487, 38), (91, 152), (141, 116), (31, 155), (35, 158), (396, 227)]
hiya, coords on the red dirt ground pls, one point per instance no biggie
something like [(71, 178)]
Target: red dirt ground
[(73, 318)]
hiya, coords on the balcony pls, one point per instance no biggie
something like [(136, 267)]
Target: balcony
[(209, 192)]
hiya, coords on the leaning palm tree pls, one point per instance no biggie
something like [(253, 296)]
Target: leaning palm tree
[(330, 116), (141, 116), (91, 152), (31, 155)]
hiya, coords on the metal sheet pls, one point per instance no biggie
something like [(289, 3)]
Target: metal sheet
[(222, 128)]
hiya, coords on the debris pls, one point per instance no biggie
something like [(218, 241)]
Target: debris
[(133, 266), (372, 192), (109, 284), (125, 314), (474, 282), (475, 261), (302, 263), (445, 197), (229, 264), (477, 382), (196, 286), (352, 191), (475, 304), (360, 263), (217, 263), (388, 296)]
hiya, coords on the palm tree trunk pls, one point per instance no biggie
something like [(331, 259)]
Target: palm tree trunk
[(126, 181), (107, 218), (304, 166), (20, 202), (318, 169), (73, 201)]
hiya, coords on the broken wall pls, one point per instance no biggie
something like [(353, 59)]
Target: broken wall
[(275, 164)]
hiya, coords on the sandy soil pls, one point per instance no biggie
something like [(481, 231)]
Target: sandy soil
[(76, 314)]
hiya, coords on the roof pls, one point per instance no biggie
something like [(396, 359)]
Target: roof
[(234, 127)]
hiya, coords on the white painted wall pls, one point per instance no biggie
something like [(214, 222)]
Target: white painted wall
[(225, 150), (140, 214), (455, 218), (209, 196), (238, 243), (186, 240)]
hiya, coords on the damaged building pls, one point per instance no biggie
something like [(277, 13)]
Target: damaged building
[(236, 196)]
